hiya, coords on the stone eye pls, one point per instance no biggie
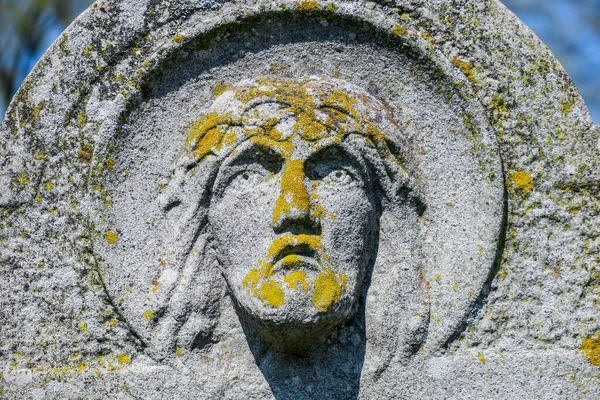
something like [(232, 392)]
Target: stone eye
[(339, 177)]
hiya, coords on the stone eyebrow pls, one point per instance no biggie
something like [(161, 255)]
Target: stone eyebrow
[(339, 153), (256, 147), (261, 101)]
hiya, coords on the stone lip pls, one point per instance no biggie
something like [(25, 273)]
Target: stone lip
[(88, 144), (294, 259)]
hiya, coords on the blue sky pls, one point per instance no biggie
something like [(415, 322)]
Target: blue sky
[(571, 28)]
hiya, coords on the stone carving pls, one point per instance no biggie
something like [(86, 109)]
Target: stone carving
[(296, 176), (298, 199), (295, 203)]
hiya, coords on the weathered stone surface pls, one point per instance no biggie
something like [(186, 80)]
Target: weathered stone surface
[(299, 199)]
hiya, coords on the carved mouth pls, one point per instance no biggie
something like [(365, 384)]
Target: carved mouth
[(302, 249), (296, 262), (295, 251)]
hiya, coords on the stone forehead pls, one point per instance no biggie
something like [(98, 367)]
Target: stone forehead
[(321, 109), (301, 95)]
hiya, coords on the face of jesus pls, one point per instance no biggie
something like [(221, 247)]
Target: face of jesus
[(294, 219)]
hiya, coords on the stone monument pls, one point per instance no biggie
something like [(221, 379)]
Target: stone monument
[(209, 199)]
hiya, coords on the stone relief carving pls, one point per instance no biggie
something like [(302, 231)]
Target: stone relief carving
[(300, 202), (303, 170), (315, 223), (309, 203), (292, 192)]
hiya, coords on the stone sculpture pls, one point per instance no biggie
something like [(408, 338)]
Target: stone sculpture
[(301, 199), (298, 177)]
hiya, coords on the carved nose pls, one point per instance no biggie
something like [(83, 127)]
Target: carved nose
[(292, 208)]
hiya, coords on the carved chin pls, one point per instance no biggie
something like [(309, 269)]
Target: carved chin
[(297, 325), (296, 338), (292, 335)]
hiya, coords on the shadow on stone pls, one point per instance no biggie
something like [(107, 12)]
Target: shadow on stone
[(332, 370)]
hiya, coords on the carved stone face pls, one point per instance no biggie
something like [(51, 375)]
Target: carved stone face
[(293, 213)]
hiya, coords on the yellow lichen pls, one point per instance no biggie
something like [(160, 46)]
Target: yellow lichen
[(87, 50), (251, 279), (376, 136), (307, 5), (327, 292), (339, 100), (481, 358), (111, 237), (272, 294), (110, 164), (591, 348), (220, 88), (344, 280), (567, 105), (82, 119), (85, 154), (292, 261), (428, 37), (285, 148), (293, 192), (21, 179), (266, 269), (319, 210), (49, 185), (36, 112), (399, 30), (466, 67), (308, 128), (124, 359), (279, 244), (229, 138), (206, 134), (178, 38), (295, 278), (83, 326), (81, 367), (179, 352), (523, 181), (148, 315), (63, 43)]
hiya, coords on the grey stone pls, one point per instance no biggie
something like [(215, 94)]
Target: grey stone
[(299, 199)]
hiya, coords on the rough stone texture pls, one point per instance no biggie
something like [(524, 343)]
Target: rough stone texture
[(478, 274)]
